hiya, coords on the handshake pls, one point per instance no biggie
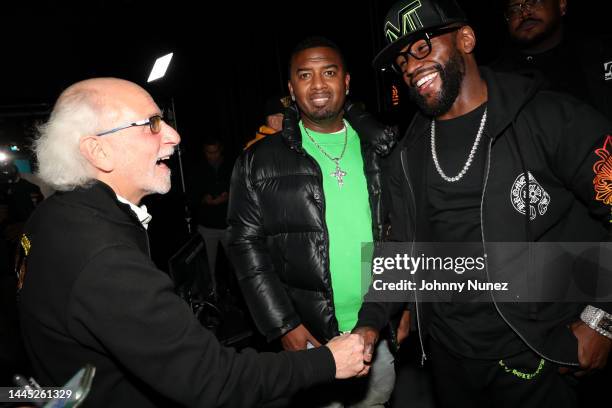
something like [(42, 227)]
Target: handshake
[(353, 352)]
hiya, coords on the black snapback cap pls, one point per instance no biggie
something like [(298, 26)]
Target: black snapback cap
[(407, 19)]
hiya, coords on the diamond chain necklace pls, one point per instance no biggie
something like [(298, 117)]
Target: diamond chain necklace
[(338, 173), (470, 158)]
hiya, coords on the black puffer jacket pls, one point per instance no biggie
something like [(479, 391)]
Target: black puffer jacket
[(278, 237)]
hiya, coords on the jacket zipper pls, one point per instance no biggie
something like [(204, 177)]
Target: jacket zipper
[(416, 301), (484, 188), (325, 235)]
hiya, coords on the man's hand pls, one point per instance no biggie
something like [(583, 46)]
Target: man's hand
[(404, 327), (296, 339), (370, 337), (347, 350), (593, 349)]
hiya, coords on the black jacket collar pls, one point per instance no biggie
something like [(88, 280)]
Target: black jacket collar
[(102, 199), (370, 132)]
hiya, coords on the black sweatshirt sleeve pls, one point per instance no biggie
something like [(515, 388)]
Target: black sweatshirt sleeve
[(583, 159), (129, 306)]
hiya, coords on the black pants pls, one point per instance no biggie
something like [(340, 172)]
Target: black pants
[(523, 381)]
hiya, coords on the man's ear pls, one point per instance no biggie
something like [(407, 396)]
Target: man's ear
[(347, 82), (291, 91), (97, 153), (466, 39)]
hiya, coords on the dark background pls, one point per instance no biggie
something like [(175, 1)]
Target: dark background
[(228, 58)]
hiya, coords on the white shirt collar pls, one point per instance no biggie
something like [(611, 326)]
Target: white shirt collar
[(141, 212)]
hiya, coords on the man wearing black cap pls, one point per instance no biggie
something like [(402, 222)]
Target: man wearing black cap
[(480, 142)]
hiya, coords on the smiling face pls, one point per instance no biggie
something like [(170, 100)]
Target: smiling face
[(138, 153), (319, 84), (434, 82)]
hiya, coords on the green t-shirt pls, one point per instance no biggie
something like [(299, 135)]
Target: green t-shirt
[(347, 216)]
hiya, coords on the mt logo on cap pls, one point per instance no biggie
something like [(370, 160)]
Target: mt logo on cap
[(408, 18), (407, 21)]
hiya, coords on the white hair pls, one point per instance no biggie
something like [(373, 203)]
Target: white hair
[(77, 113)]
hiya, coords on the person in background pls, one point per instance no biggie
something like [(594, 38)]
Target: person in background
[(18, 199), (574, 62), (273, 114), (211, 191)]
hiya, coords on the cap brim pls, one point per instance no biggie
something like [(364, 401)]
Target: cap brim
[(386, 55)]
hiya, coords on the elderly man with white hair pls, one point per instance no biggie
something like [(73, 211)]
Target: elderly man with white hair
[(89, 293)]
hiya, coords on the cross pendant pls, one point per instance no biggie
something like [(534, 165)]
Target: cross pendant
[(339, 175)]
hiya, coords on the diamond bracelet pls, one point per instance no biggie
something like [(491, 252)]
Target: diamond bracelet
[(598, 320)]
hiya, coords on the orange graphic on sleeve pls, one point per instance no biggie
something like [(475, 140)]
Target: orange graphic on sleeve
[(603, 172)]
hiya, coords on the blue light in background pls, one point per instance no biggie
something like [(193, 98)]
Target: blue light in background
[(23, 165)]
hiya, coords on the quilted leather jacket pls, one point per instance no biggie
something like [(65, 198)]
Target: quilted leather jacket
[(278, 237)]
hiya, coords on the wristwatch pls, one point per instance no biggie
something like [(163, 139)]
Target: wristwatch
[(598, 320)]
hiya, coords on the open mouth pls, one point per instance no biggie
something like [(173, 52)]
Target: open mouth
[(162, 161)]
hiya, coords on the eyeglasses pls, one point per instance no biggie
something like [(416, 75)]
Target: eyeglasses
[(154, 122), (514, 10), (419, 49)]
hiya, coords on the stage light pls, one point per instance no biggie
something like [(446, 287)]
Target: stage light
[(159, 70), (3, 157), (160, 67)]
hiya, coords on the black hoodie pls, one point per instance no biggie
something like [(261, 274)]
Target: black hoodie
[(559, 141)]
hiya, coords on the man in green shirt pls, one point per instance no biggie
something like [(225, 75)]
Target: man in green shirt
[(301, 207)]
